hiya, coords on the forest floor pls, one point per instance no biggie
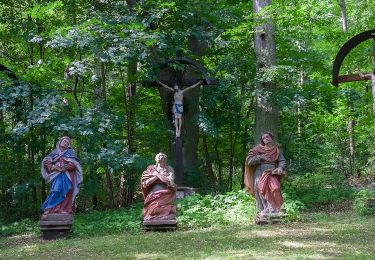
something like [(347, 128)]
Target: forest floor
[(326, 234)]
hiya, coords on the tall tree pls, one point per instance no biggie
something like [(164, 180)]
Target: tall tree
[(267, 113)]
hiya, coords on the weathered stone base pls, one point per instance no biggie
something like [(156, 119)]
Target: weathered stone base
[(159, 225), (272, 218), (54, 226)]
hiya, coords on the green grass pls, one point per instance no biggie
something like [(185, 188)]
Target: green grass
[(319, 236)]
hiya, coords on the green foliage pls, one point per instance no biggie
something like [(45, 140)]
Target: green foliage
[(362, 201), (17, 228), (81, 51), (316, 188), (292, 208), (88, 224), (108, 222), (204, 211)]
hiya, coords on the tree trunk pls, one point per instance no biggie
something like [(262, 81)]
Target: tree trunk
[(208, 163), (191, 130), (129, 100), (231, 159), (189, 125), (219, 163), (344, 21), (111, 203), (299, 126), (126, 187), (350, 122), (43, 150), (126, 184), (30, 45), (100, 84), (245, 140), (350, 128), (266, 113)]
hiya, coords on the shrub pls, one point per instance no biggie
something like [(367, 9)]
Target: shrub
[(362, 199), (292, 208), (317, 188), (203, 211)]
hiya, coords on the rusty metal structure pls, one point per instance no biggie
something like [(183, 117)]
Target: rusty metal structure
[(344, 51)]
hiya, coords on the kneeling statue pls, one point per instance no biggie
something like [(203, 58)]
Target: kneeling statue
[(159, 192)]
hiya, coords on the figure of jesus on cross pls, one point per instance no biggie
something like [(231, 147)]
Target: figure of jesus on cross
[(177, 108)]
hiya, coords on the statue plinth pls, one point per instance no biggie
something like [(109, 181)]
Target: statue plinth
[(160, 225), (54, 226), (270, 218)]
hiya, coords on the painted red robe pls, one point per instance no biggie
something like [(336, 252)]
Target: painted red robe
[(158, 203)]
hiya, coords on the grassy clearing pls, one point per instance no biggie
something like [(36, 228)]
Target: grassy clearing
[(320, 236)]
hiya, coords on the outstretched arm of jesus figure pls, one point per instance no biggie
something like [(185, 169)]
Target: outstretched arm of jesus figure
[(192, 86), (164, 85)]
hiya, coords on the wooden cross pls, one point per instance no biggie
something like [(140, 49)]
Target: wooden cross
[(182, 83)]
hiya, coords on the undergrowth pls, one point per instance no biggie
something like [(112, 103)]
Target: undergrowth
[(197, 211)]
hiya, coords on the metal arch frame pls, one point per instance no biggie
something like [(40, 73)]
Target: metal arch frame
[(344, 51), (189, 62)]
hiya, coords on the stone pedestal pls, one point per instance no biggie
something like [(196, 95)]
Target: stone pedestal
[(270, 218), (160, 225), (54, 226), (183, 192)]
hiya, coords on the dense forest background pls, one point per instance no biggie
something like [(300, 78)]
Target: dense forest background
[(81, 67)]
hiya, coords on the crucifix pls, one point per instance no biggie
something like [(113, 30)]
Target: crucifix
[(343, 52), (178, 105), (177, 68)]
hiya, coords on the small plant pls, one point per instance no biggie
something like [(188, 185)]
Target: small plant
[(362, 202), (292, 207)]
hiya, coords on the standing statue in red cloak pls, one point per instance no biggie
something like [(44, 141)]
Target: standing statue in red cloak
[(265, 165), (62, 170), (159, 191)]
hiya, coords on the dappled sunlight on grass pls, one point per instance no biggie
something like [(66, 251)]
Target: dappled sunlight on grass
[(346, 237), (322, 230), (307, 244), (263, 233), (150, 256), (294, 244), (281, 232)]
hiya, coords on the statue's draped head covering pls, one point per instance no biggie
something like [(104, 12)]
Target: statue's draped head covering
[(62, 139), (69, 152)]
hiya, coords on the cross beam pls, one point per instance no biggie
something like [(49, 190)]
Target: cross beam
[(353, 77), (181, 83)]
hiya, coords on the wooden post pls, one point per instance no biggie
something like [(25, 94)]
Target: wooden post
[(178, 168)]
